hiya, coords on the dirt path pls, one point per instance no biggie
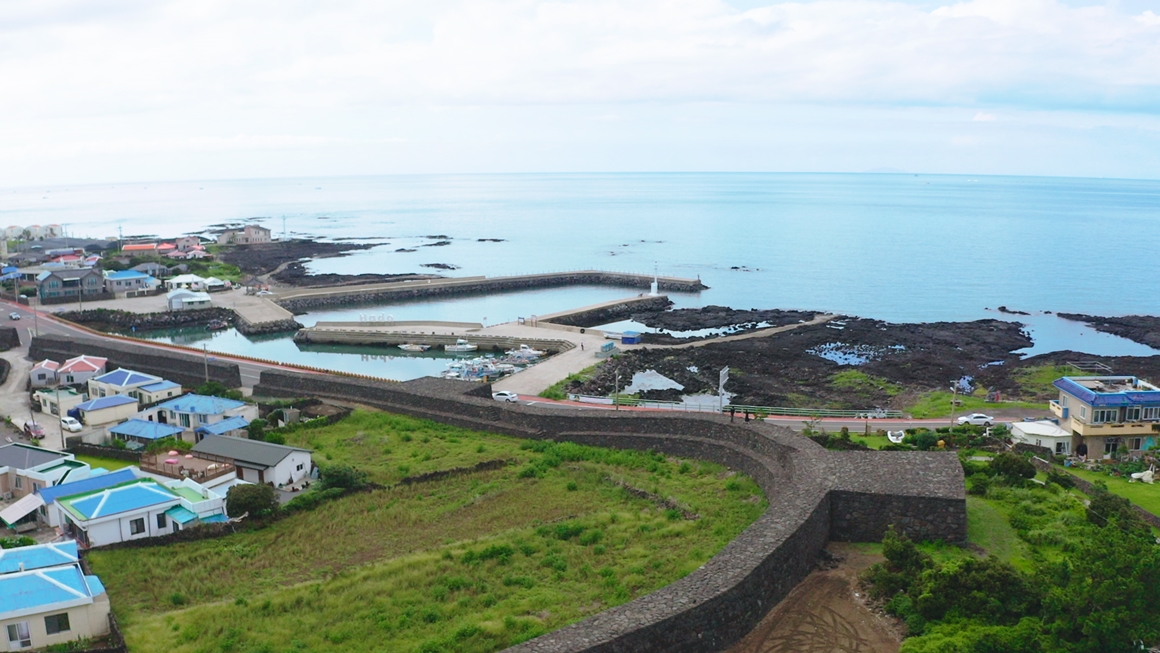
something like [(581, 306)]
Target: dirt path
[(824, 614)]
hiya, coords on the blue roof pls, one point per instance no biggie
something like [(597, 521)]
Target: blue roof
[(214, 519), (124, 498), (225, 426), (31, 591), (139, 428), (125, 378), (181, 514), (162, 385), (50, 494), (38, 556), (105, 402), (122, 275), (1088, 396), (201, 404)]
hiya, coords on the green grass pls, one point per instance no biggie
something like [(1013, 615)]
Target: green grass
[(559, 389), (1036, 381), (872, 441), (472, 563), (1142, 494), (938, 404), (223, 271), (111, 464), (988, 528), (863, 383)]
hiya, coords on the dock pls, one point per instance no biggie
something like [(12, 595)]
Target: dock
[(436, 334)]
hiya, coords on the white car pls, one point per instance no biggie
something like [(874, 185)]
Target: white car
[(976, 419), (504, 395), (70, 424)]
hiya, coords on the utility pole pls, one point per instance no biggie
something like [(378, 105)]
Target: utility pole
[(59, 417), (32, 305), (954, 398), (616, 392), (205, 350)]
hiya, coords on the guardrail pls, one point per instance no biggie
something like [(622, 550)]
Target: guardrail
[(779, 411)]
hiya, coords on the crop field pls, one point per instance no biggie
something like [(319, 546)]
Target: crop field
[(472, 562)]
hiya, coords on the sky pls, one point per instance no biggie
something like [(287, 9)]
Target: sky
[(141, 90)]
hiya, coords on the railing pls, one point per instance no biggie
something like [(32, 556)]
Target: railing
[(779, 411)]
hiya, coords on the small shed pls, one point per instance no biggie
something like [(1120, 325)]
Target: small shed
[(1043, 434), (43, 373), (630, 338), (185, 300), (104, 410)]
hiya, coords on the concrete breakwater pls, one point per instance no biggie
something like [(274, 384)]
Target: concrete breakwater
[(362, 333), (301, 300), (613, 311)]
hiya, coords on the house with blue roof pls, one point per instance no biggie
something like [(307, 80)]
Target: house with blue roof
[(49, 512), (46, 599), (142, 431), (202, 414), (147, 389), (105, 410), (24, 471), (1108, 413), (138, 509), (125, 282)]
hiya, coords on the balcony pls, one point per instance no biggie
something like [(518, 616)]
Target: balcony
[(1115, 430)]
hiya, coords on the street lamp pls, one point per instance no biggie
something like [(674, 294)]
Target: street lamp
[(954, 399)]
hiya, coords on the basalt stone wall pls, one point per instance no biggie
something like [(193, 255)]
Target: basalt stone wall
[(187, 369), (9, 338), (608, 314), (815, 495)]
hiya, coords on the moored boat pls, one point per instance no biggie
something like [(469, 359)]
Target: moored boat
[(461, 345), (413, 347), (217, 325)]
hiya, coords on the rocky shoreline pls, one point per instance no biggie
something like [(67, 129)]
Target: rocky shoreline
[(1143, 329), (265, 258), (295, 274), (732, 321)]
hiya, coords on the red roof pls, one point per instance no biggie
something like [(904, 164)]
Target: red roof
[(47, 364), (84, 364), (140, 247)]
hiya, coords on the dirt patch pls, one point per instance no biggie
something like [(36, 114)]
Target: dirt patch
[(825, 614), (1144, 329)]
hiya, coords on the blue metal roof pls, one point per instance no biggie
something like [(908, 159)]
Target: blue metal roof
[(158, 387), (50, 494), (105, 402), (201, 404), (1088, 396), (126, 378), (25, 592), (124, 498), (225, 426), (140, 428), (215, 519), (37, 556), (181, 514), (123, 275)]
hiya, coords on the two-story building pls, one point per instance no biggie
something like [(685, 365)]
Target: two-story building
[(46, 599), (1104, 413), (124, 282), (69, 285), (24, 471), (121, 382), (138, 509), (251, 234)]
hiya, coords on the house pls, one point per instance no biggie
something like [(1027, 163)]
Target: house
[(259, 462), (80, 369), (1105, 413), (129, 281), (155, 270), (153, 393), (43, 373), (49, 512), (25, 469), (58, 401), (47, 600), (138, 509), (121, 382), (236, 426), (250, 235), (187, 300), (105, 410), (70, 284), (143, 432), (14, 233), (53, 231), (186, 243), (213, 284), (186, 281), (1043, 434), (193, 411)]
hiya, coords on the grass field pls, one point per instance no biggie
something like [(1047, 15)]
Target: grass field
[(1037, 381), (1142, 494), (111, 464), (475, 562), (938, 404)]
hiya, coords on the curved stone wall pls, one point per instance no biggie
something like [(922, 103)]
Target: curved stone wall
[(814, 495)]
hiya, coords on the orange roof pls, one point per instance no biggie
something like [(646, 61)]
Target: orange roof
[(48, 364), (139, 248)]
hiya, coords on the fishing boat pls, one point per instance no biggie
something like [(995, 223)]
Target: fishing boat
[(413, 347), (461, 345), (217, 325)]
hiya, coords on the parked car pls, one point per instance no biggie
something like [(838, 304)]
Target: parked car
[(14, 316), (976, 419), (33, 430), (70, 424), (504, 395)]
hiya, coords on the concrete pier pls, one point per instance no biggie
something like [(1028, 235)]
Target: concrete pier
[(436, 334)]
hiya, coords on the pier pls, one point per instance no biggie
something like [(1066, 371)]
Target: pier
[(436, 334)]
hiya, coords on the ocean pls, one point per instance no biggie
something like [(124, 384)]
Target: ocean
[(897, 247)]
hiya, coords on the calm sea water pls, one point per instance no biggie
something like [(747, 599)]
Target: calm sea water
[(893, 247)]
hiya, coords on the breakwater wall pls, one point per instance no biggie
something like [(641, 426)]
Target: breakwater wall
[(190, 370), (350, 334), (614, 311), (301, 300), (814, 495), (9, 338), (97, 317)]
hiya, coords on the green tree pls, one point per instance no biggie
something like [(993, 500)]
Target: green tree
[(217, 389), (1013, 468), (255, 499), (257, 429), (342, 477)]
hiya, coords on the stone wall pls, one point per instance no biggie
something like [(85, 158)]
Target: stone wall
[(815, 495), (608, 314), (187, 369), (9, 338)]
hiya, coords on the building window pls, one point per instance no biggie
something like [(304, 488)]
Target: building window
[(19, 636), (35, 487), (1061, 448), (19, 483), (1083, 412), (56, 623), (1132, 414), (1105, 415), (1110, 445), (161, 521), (1137, 443), (137, 526), (1152, 413), (185, 419), (299, 467), (201, 419)]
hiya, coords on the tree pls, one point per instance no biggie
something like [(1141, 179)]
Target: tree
[(342, 477), (1012, 467), (257, 429), (255, 499), (217, 389)]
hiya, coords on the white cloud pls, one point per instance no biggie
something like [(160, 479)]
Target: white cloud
[(984, 117)]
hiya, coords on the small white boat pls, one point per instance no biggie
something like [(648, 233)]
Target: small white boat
[(413, 347), (461, 345), (525, 352)]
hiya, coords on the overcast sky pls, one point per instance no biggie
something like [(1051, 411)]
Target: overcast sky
[(126, 90)]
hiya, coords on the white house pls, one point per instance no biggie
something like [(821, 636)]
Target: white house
[(80, 369), (46, 599), (49, 512), (1043, 434), (259, 462), (185, 281), (121, 382), (58, 401), (184, 300), (193, 411), (138, 509), (24, 471), (43, 373), (105, 410)]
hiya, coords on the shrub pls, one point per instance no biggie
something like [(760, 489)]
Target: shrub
[(342, 476), (216, 389), (1012, 467), (16, 542), (257, 429), (257, 499), (978, 484), (1062, 479), (166, 444)]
